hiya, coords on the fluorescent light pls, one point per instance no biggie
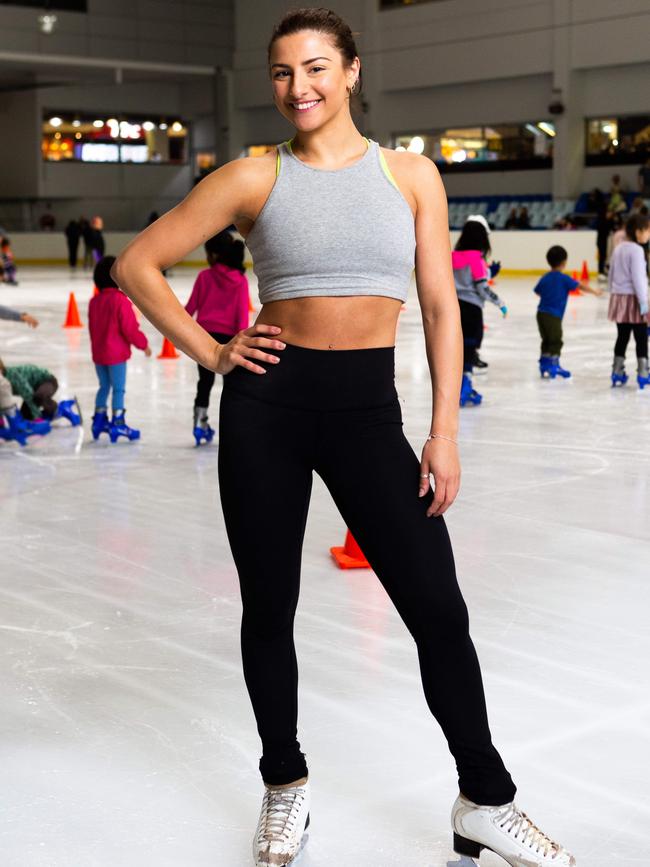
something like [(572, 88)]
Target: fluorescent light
[(148, 126), (55, 121), (98, 123), (548, 128), (177, 127), (162, 126)]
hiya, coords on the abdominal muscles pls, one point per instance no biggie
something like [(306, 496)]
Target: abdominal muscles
[(348, 322)]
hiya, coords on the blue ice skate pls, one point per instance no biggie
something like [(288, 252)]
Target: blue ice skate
[(467, 394), (15, 427), (619, 376), (202, 430), (642, 373), (119, 428), (100, 424), (65, 410), (555, 369), (544, 365)]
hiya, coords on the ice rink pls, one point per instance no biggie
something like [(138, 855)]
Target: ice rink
[(127, 734)]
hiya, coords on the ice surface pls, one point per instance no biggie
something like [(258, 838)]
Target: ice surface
[(127, 735)]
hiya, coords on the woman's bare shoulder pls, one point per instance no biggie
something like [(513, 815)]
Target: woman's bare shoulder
[(246, 181)]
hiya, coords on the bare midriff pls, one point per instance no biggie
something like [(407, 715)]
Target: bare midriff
[(348, 322)]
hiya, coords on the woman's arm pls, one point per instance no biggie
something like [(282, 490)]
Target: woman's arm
[(442, 331), (225, 196)]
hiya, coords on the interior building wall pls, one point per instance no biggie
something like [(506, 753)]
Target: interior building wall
[(181, 32)]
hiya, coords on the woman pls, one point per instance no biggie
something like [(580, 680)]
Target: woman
[(335, 224)]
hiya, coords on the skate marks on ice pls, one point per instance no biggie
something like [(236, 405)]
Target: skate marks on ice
[(464, 861)]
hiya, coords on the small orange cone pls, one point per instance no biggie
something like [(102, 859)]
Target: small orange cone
[(72, 319), (575, 291), (585, 272), (168, 350), (350, 556)]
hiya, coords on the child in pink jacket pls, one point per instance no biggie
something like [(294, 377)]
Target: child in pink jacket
[(220, 301), (113, 331)]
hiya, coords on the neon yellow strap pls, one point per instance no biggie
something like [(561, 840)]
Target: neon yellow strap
[(387, 171)]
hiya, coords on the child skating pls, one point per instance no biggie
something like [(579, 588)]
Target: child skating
[(220, 301), (471, 273), (37, 387), (628, 302), (553, 290), (12, 424), (113, 331)]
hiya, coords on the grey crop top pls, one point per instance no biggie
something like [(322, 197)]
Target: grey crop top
[(344, 232)]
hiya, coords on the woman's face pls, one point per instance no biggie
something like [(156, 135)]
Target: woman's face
[(643, 235), (310, 83)]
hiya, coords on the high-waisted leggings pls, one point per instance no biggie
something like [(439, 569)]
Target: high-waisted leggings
[(337, 413)]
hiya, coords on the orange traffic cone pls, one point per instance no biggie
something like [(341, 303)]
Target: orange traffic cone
[(168, 350), (585, 272), (72, 319), (350, 556), (575, 291)]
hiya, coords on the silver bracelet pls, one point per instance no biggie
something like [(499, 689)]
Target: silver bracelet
[(441, 437)]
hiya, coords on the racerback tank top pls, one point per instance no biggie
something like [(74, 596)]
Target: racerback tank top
[(344, 232)]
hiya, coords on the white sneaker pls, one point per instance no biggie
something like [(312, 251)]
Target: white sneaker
[(506, 831), (283, 821)]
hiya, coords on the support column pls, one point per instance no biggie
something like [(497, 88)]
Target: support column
[(569, 143)]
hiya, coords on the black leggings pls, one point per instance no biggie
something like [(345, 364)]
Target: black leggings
[(471, 321), (640, 332), (206, 377), (337, 412)]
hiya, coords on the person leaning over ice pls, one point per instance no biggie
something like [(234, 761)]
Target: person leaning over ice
[(335, 224)]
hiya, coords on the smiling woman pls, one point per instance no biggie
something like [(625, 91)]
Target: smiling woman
[(335, 224)]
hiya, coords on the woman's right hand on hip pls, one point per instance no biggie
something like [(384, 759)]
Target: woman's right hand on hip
[(247, 345)]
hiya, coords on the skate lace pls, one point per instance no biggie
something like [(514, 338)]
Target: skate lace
[(516, 823), (280, 810)]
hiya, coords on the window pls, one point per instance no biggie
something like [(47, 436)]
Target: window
[(61, 5), (484, 148), (117, 139), (617, 140)]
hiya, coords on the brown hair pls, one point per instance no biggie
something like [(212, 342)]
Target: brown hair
[(636, 223), (322, 21)]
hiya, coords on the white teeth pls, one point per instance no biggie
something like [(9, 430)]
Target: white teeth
[(302, 106)]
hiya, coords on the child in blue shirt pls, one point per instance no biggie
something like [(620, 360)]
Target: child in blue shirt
[(553, 290)]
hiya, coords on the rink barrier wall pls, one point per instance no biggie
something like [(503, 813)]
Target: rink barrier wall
[(521, 253)]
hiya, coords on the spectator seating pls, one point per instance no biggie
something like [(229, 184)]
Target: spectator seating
[(542, 210)]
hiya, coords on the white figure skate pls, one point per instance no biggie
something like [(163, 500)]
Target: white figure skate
[(507, 831), (284, 818)]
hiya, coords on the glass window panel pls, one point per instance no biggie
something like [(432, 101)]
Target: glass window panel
[(617, 140), (497, 145), (138, 139)]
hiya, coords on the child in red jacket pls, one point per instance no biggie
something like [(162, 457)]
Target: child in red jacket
[(113, 331), (220, 301)]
